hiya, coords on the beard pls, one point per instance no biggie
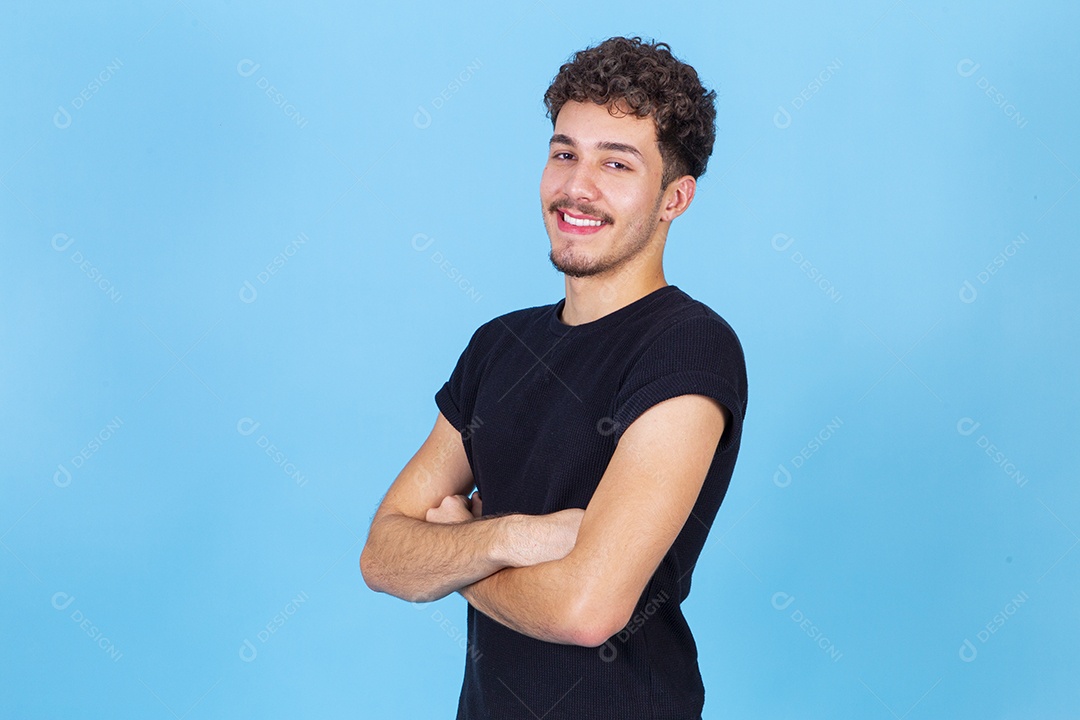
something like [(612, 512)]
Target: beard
[(635, 239)]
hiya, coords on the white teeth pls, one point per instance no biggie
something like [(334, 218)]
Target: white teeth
[(581, 223)]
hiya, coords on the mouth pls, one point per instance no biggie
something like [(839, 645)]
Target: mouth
[(578, 224)]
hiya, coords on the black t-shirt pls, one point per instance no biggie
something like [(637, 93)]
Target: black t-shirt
[(541, 406)]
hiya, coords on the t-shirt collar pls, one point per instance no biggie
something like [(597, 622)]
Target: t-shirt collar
[(608, 321)]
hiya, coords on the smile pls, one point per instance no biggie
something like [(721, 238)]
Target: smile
[(582, 222), (578, 225)]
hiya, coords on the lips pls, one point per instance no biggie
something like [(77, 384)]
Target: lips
[(572, 229)]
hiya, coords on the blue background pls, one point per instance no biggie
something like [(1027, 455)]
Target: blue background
[(186, 255)]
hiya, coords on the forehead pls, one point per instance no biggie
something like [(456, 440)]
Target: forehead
[(588, 124)]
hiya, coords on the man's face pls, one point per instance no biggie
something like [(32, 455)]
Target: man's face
[(605, 168)]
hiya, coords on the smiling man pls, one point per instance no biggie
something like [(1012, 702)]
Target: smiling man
[(600, 432)]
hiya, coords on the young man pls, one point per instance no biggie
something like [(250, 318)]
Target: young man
[(600, 432)]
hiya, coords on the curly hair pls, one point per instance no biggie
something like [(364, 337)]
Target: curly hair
[(648, 80)]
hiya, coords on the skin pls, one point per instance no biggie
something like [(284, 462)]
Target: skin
[(624, 261), (423, 544), (574, 576)]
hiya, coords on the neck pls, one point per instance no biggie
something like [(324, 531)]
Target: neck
[(591, 298)]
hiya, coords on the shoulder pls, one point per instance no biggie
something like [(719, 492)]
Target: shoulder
[(685, 348), (684, 319), (520, 323), (688, 339)]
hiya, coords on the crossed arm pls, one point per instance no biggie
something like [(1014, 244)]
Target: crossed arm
[(568, 577)]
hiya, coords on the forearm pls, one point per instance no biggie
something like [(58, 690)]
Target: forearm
[(422, 561), (537, 601)]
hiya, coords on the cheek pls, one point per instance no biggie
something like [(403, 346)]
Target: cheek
[(549, 185), (637, 206)]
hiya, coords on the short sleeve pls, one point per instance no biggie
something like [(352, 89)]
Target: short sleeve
[(698, 356), (450, 397)]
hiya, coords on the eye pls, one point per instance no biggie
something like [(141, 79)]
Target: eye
[(559, 155), (621, 166)]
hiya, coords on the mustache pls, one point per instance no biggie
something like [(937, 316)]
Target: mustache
[(555, 207)]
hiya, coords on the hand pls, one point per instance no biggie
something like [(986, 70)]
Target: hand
[(453, 509), (542, 538)]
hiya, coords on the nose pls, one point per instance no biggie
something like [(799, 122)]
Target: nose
[(580, 183)]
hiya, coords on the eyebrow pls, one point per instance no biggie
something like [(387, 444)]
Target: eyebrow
[(601, 145)]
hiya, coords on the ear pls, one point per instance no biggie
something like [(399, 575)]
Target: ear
[(677, 197)]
